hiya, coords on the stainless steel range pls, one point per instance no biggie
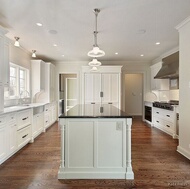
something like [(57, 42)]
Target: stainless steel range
[(166, 105)]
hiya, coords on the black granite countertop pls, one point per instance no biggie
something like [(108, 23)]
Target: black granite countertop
[(95, 111)]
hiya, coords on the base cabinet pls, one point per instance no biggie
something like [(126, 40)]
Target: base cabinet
[(3, 138), (38, 124), (165, 120), (95, 148)]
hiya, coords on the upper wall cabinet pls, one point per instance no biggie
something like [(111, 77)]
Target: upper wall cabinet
[(158, 84), (38, 76), (50, 81), (43, 81), (4, 58)]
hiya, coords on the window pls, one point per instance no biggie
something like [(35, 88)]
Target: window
[(19, 82)]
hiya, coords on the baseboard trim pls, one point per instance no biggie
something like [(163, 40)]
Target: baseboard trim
[(183, 152)]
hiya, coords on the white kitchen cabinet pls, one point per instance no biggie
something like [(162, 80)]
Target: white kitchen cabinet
[(38, 124), (1, 97), (110, 88), (8, 135), (24, 118), (158, 84), (50, 82), (102, 87), (6, 72), (12, 121), (23, 136), (38, 76), (92, 88), (4, 135), (50, 114), (165, 120), (4, 56)]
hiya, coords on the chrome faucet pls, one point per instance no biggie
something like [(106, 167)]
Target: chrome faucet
[(24, 94)]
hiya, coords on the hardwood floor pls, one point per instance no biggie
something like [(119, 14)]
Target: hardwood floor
[(156, 164)]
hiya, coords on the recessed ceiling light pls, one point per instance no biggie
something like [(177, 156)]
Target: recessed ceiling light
[(142, 54), (62, 55), (39, 24), (55, 45), (157, 43), (116, 53)]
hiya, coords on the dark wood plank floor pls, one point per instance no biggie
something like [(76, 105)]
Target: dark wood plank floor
[(156, 164)]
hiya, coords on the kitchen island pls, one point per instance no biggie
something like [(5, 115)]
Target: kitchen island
[(95, 143)]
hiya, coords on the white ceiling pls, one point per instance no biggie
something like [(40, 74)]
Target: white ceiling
[(120, 23)]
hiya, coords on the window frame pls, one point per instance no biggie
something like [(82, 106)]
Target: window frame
[(26, 83)]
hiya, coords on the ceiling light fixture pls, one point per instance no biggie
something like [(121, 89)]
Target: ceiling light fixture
[(96, 52), (142, 54), (39, 24), (116, 53), (157, 43), (33, 53), (17, 44)]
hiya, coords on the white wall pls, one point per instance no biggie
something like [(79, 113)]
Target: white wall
[(184, 84), (128, 67), (19, 56)]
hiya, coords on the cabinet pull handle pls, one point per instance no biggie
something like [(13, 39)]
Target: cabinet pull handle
[(167, 125), (101, 94), (110, 103), (168, 115), (92, 102), (25, 136), (25, 118), (157, 121), (157, 112)]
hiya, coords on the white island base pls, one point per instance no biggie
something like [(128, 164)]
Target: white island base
[(95, 148)]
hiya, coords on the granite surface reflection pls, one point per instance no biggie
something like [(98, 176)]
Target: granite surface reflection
[(95, 111)]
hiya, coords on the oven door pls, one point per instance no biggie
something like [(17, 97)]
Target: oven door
[(148, 113)]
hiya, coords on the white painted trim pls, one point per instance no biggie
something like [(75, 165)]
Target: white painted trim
[(90, 175), (183, 152), (183, 23)]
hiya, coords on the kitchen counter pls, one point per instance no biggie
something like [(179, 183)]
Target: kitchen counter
[(21, 107), (95, 111), (95, 143)]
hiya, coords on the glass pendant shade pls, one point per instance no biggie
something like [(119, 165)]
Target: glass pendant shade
[(95, 62), (94, 69), (96, 52)]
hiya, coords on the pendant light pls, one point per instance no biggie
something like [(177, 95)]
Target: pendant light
[(96, 52), (17, 44), (33, 53)]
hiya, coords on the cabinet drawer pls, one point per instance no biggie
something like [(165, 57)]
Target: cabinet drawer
[(24, 118), (12, 118), (2, 120), (24, 136), (168, 125)]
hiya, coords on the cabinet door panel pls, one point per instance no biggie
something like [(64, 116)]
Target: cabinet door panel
[(13, 137), (110, 87), (3, 142), (92, 88)]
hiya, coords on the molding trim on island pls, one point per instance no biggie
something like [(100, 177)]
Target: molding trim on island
[(96, 147)]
